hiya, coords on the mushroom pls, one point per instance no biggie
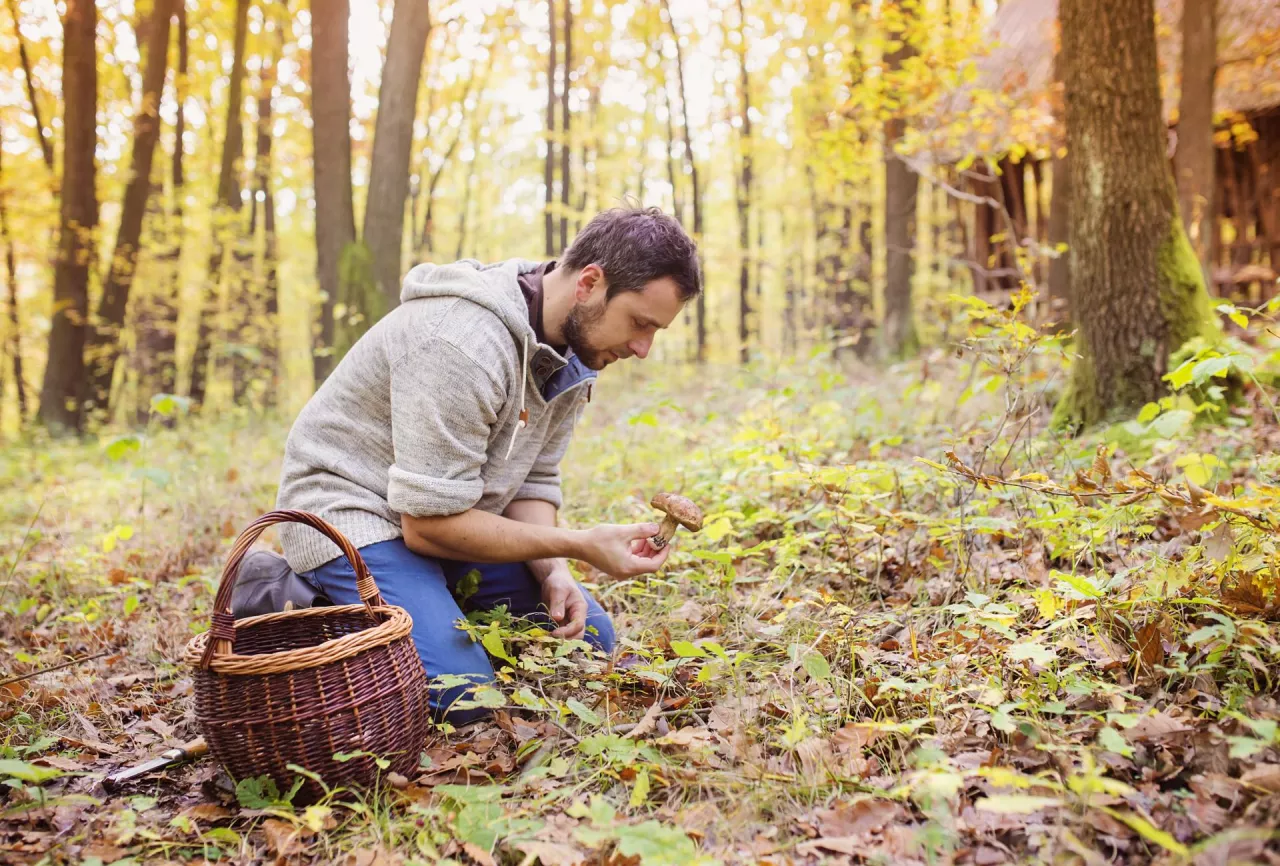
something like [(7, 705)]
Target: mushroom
[(679, 511)]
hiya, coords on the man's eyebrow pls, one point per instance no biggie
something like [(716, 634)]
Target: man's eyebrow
[(651, 323)]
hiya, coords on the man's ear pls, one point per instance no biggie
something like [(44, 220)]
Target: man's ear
[(590, 283)]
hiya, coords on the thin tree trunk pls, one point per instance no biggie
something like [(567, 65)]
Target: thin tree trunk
[(104, 340), (744, 195), (15, 329), (1138, 293), (1193, 162), (676, 206), (566, 118), (900, 186), (392, 142), (46, 146), (549, 169), (331, 143), (226, 212), (696, 191), (263, 169), (427, 242), (60, 393), (157, 321)]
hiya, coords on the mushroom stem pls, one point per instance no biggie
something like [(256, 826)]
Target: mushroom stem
[(665, 532)]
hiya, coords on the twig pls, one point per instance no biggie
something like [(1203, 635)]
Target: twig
[(8, 580), (22, 677)]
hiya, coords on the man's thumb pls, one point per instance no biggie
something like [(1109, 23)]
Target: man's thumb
[(644, 530)]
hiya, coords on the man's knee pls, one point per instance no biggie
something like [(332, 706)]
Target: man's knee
[(600, 632)]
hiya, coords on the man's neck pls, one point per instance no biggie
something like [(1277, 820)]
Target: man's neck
[(557, 301)]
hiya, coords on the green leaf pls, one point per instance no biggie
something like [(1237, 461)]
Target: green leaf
[(817, 666), (488, 696), (1181, 377), (120, 446), (1172, 422), (582, 711), (1015, 804), (31, 773), (1149, 412), (1033, 652), (640, 790), (1109, 738), (261, 792), (687, 650), (492, 641), (647, 419), (1210, 367), (656, 845), (130, 605), (1148, 831), (169, 404)]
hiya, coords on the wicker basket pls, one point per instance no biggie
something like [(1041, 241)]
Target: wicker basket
[(300, 686)]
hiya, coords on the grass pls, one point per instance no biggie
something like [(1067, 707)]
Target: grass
[(978, 659)]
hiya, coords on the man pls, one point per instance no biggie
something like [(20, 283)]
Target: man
[(435, 445)]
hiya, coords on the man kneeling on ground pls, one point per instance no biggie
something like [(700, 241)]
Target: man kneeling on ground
[(435, 445)]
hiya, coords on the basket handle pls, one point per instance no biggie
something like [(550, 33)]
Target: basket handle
[(222, 629)]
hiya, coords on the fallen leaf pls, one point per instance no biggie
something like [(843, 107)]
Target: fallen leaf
[(1148, 649), (856, 818), (283, 838), (554, 853), (207, 812), (1265, 776), (478, 854), (117, 576), (646, 724), (839, 844)]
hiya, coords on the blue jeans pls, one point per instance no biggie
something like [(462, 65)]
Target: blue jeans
[(425, 587)]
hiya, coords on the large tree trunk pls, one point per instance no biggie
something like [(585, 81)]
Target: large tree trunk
[(42, 135), (60, 394), (900, 187), (549, 167), (744, 195), (1194, 162), (696, 191), (392, 142), (566, 150), (331, 143), (226, 212), (1137, 290), (15, 330), (157, 320), (104, 339)]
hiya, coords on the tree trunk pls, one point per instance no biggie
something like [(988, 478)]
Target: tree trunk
[(744, 195), (15, 329), (1059, 230), (331, 144), (60, 393), (566, 150), (1193, 162), (262, 169), (696, 190), (1138, 293), (226, 212), (104, 340), (157, 320), (549, 168), (900, 187), (677, 207), (392, 142), (46, 146)]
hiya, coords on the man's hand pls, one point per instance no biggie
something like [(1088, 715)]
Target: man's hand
[(623, 550), (565, 602)]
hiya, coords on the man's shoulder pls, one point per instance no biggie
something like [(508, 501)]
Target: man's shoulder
[(478, 333)]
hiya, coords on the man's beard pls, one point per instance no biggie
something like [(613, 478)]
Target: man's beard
[(577, 334)]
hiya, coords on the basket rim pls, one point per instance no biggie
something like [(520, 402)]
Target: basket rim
[(397, 625)]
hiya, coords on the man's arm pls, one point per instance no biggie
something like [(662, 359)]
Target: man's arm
[(478, 536), (537, 512)]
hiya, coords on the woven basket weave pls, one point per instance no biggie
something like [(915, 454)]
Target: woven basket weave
[(300, 686)]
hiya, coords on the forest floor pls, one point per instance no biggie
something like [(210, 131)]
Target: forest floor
[(1031, 650)]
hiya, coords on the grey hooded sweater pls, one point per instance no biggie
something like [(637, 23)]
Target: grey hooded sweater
[(448, 403)]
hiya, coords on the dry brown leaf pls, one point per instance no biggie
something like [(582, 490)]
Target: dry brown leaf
[(1265, 776), (855, 736), (283, 838), (207, 812), (857, 818), (1154, 727), (839, 844), (1148, 649), (478, 854), (646, 724), (554, 853), (117, 576)]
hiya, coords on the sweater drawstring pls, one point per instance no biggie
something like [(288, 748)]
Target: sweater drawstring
[(524, 413)]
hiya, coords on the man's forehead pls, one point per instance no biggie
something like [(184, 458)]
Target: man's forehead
[(657, 304)]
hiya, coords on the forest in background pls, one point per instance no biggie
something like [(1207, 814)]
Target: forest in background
[(980, 406)]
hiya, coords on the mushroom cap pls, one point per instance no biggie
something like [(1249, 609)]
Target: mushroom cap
[(683, 510)]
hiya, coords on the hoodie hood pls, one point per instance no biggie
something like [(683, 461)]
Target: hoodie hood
[(493, 287), (496, 288)]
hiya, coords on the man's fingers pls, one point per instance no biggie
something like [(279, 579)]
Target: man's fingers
[(644, 530), (577, 624)]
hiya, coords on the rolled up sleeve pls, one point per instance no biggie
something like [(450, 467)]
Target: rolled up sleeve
[(443, 407)]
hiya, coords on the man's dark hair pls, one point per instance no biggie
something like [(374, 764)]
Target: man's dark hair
[(635, 246)]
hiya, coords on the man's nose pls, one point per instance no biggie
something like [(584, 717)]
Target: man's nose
[(640, 348)]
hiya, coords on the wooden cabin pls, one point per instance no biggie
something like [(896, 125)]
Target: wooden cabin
[(1023, 134)]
